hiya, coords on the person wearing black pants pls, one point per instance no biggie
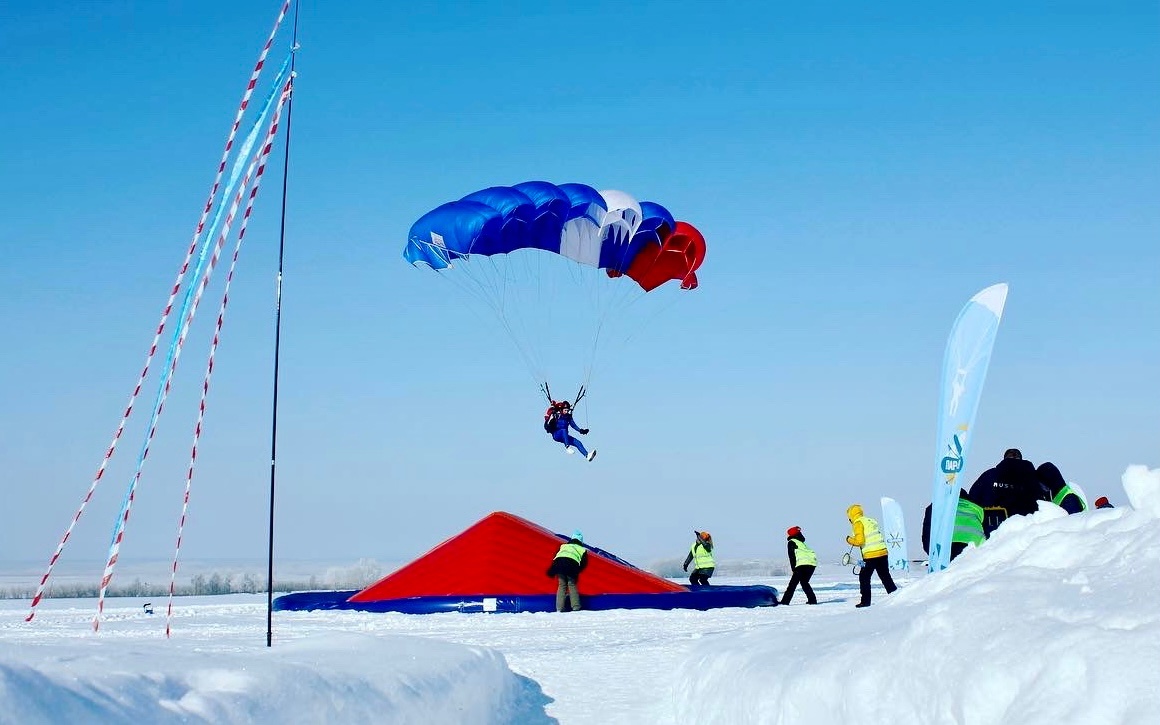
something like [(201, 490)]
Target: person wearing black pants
[(881, 566), (867, 536), (802, 561)]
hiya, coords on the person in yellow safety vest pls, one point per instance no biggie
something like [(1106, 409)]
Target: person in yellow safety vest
[(802, 561), (868, 537), (968, 525), (570, 560), (701, 557), (1062, 494)]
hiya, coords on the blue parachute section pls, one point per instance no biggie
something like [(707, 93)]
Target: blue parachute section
[(601, 229)]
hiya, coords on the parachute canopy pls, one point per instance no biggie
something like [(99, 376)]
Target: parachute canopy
[(608, 230)]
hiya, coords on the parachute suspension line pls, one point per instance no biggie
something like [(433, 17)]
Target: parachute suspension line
[(238, 115), (509, 315), (193, 295), (655, 314), (262, 160), (534, 296), (516, 322), (478, 292)]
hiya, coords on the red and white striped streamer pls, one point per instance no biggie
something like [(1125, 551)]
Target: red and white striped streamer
[(253, 82), (119, 537), (262, 159)]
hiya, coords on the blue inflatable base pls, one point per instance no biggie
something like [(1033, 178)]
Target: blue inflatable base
[(702, 598)]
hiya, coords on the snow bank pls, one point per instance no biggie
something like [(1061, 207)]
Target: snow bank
[(341, 677), (1143, 489), (1054, 620)]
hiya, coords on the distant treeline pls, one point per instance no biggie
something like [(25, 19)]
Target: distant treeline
[(358, 576), (362, 574)]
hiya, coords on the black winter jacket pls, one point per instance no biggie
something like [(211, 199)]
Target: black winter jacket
[(563, 566), (793, 549), (1012, 484)]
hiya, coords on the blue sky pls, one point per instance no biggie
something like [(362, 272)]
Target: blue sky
[(858, 169)]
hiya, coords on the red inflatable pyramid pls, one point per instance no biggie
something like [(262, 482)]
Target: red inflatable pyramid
[(505, 555)]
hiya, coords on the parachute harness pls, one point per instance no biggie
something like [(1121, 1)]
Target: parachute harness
[(547, 391)]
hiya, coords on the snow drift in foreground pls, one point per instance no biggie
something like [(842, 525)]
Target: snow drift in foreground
[(340, 678), (1055, 619)]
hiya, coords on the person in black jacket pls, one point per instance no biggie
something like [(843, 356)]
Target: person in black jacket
[(570, 560), (1011, 488), (802, 561), (1062, 494)]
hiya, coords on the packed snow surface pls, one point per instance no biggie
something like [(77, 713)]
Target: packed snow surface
[(1054, 620)]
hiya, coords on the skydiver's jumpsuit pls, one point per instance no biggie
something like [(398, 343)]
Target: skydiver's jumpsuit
[(560, 435)]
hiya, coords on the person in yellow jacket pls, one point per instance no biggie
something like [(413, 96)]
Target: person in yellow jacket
[(867, 536)]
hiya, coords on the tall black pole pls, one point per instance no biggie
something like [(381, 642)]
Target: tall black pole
[(278, 342)]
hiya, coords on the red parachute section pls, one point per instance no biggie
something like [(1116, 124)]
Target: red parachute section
[(503, 553), (678, 257)]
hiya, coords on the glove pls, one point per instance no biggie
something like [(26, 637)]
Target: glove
[(583, 431)]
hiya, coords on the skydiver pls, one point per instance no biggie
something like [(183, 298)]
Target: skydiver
[(557, 421)]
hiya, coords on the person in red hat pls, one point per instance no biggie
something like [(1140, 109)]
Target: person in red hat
[(803, 561), (1103, 503)]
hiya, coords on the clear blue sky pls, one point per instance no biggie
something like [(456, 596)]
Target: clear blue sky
[(859, 170)]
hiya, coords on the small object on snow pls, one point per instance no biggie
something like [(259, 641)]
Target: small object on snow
[(148, 607)]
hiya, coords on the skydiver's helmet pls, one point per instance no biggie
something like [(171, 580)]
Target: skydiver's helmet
[(565, 406), (1013, 453), (704, 536)]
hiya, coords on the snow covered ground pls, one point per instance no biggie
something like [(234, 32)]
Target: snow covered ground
[(1055, 620)]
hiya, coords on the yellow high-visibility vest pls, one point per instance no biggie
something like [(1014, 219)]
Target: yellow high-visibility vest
[(702, 557), (575, 552), (805, 556), (874, 544)]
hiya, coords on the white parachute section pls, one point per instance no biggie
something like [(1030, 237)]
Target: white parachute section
[(583, 239), (580, 239)]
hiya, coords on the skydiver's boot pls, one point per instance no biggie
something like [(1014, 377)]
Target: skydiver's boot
[(570, 449), (592, 454)]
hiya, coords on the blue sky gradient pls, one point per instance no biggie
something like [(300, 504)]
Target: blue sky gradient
[(859, 171)]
